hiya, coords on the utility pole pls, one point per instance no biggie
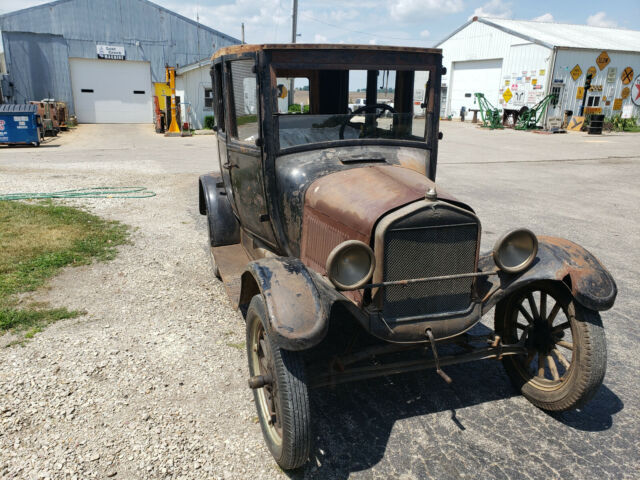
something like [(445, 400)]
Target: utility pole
[(294, 34), (243, 32)]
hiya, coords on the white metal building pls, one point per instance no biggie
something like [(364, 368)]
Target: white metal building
[(516, 63), (193, 86)]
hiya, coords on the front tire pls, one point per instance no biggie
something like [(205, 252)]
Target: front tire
[(567, 353), (283, 402)]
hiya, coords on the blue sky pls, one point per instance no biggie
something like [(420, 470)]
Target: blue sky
[(391, 22)]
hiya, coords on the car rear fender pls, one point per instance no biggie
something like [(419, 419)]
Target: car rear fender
[(224, 227), (558, 259), (298, 301)]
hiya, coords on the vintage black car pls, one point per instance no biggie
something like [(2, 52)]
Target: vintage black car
[(321, 218)]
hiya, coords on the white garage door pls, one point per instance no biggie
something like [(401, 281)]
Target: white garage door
[(111, 91), (471, 77)]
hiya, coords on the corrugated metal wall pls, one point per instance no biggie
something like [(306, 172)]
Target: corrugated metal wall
[(147, 31), (567, 59), (477, 41), (525, 71)]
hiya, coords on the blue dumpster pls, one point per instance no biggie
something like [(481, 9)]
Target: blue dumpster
[(20, 124)]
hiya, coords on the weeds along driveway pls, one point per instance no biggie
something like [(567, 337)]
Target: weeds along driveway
[(151, 383)]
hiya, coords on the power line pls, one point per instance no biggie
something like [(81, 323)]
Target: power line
[(356, 31)]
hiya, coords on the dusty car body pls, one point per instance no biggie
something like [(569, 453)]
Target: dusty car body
[(332, 215)]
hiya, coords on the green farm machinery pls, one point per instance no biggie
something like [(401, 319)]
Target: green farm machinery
[(530, 117), (490, 116)]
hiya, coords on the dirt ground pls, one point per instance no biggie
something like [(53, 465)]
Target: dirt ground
[(152, 382)]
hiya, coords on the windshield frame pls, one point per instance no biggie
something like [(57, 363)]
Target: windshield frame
[(363, 60)]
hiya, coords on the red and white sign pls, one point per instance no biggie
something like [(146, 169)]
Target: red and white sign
[(1, 124), (635, 91)]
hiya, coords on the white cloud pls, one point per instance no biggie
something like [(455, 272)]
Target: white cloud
[(493, 8), (600, 20), (545, 17), (373, 41), (420, 10), (319, 38), (425, 33)]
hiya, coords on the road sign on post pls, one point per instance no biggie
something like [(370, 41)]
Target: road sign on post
[(603, 60), (576, 72)]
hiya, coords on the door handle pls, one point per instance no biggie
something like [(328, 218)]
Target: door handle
[(229, 165)]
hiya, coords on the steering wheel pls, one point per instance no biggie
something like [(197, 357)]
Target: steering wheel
[(375, 107)]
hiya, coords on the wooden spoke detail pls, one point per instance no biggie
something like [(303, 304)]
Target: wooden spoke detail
[(532, 305), (522, 326), (540, 366), (567, 345), (543, 305), (561, 327), (553, 368), (553, 313), (525, 314), (561, 358), (530, 357)]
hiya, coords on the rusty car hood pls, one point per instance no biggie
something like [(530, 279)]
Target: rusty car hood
[(357, 198)]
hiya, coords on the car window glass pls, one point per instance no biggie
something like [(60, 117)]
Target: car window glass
[(296, 102), (335, 106), (245, 100)]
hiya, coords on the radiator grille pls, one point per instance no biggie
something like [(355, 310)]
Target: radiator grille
[(429, 251)]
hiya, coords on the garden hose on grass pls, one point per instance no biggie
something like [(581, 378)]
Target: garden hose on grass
[(94, 192)]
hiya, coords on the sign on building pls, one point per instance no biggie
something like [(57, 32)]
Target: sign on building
[(110, 52), (603, 60)]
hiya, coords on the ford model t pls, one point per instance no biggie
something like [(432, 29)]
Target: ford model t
[(320, 218)]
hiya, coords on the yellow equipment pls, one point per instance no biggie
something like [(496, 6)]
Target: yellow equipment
[(174, 128)]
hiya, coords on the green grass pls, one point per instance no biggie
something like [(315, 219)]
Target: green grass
[(246, 119), (36, 241)]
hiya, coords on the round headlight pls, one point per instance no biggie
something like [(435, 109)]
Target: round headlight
[(515, 250), (350, 265)]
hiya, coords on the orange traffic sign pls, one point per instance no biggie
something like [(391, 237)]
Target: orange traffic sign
[(627, 76), (507, 95), (626, 91), (576, 72), (592, 71), (603, 60)]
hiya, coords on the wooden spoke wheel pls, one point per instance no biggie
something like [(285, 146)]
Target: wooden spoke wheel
[(566, 349), (281, 399)]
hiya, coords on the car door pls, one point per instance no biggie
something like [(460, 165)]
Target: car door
[(244, 156)]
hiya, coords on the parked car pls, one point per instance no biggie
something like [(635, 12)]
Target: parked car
[(332, 221)]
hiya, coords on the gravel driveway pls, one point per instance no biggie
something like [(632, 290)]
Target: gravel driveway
[(151, 383)]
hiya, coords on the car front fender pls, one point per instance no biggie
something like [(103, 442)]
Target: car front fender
[(558, 259), (298, 301)]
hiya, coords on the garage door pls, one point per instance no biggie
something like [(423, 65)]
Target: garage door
[(471, 77), (111, 91)]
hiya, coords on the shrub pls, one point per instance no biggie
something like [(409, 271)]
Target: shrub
[(209, 122), (295, 108)]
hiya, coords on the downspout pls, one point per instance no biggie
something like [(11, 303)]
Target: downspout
[(552, 66)]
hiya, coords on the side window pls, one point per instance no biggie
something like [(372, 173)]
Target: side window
[(208, 98), (218, 102), (245, 100)]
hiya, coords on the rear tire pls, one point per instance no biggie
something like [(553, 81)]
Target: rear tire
[(283, 403), (566, 346)]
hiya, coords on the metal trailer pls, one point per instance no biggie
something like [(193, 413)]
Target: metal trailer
[(20, 124)]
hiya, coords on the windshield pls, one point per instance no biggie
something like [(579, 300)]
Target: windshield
[(317, 106), (302, 129)]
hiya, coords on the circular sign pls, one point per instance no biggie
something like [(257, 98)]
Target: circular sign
[(626, 76), (282, 91), (635, 91), (592, 71), (625, 92)]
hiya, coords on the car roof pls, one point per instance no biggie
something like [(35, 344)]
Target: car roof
[(246, 48)]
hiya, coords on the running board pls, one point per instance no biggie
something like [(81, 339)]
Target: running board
[(232, 261)]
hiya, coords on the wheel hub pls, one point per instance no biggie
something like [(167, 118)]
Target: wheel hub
[(541, 337)]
